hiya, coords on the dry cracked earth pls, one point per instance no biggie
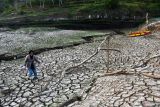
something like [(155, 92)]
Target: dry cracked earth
[(89, 81)]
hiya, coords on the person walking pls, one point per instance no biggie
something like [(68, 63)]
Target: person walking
[(30, 64)]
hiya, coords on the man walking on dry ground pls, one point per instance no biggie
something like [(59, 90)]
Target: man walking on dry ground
[(30, 64)]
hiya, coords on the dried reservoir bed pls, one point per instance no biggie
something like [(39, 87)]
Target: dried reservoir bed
[(131, 89)]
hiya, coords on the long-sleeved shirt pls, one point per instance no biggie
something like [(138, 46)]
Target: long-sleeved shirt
[(29, 61)]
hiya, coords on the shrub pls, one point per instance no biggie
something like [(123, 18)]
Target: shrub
[(111, 4)]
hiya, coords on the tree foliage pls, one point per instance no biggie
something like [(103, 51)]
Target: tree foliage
[(86, 5), (111, 4)]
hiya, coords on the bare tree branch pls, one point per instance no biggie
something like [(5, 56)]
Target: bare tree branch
[(155, 76)]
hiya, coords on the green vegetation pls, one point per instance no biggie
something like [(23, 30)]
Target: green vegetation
[(69, 8)]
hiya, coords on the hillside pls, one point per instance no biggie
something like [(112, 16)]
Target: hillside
[(90, 9)]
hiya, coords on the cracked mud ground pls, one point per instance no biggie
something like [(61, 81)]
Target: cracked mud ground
[(119, 90)]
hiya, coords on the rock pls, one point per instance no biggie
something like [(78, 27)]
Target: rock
[(1, 81), (133, 98), (39, 105), (128, 88), (136, 103), (6, 91), (141, 99), (66, 81), (14, 104), (27, 94), (19, 100), (77, 91), (157, 100), (35, 99), (158, 82), (28, 104), (48, 99), (73, 78), (76, 81), (130, 93), (53, 94), (126, 105), (54, 104), (33, 91), (8, 99), (148, 104), (150, 99), (140, 83)]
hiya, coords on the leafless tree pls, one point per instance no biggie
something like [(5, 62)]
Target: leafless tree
[(16, 5), (43, 1), (53, 2), (30, 3), (60, 2), (26, 2)]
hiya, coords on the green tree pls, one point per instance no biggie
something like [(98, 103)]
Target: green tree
[(111, 4)]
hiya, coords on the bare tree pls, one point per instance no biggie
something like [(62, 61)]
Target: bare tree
[(43, 3), (53, 2), (40, 3), (16, 5), (60, 2), (30, 3), (26, 2)]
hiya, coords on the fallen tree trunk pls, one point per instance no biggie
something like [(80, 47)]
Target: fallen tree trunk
[(145, 62), (83, 61), (111, 50), (155, 76), (95, 53), (118, 73)]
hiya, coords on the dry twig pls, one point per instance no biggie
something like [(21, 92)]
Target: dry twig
[(155, 76)]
